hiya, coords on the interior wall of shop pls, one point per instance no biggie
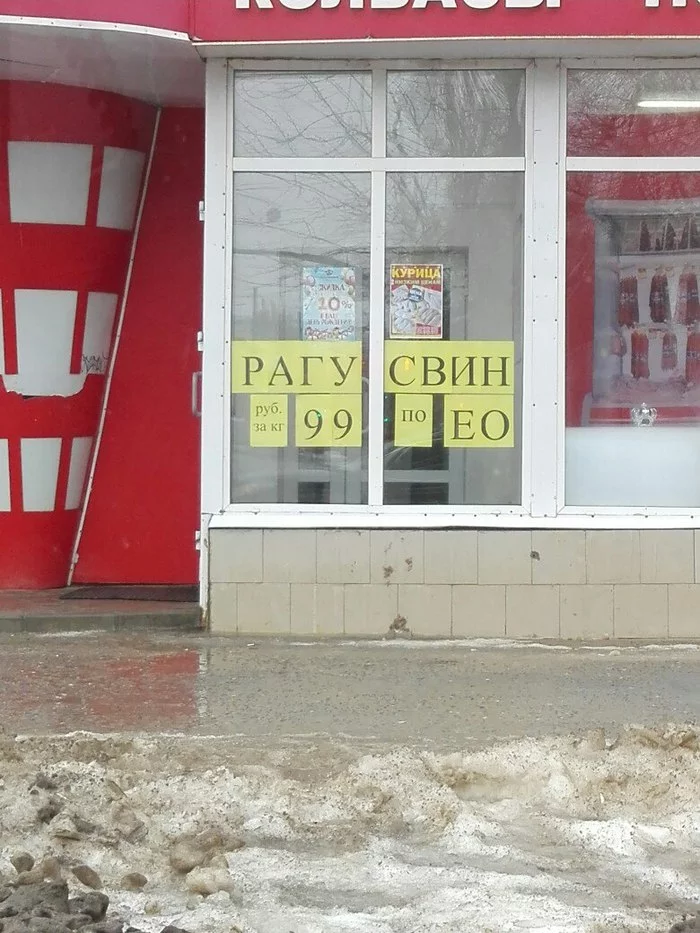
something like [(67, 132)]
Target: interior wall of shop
[(143, 508), (456, 584)]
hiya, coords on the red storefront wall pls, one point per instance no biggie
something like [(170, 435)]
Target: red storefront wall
[(143, 510), (144, 504)]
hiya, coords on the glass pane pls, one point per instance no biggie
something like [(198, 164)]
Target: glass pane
[(302, 114), (300, 316), (633, 340), (453, 355), (634, 113), (455, 113)]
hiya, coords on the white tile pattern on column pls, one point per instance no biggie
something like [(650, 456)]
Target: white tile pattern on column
[(4, 475), (79, 456), (40, 456), (99, 320), (45, 324), (122, 170), (49, 182)]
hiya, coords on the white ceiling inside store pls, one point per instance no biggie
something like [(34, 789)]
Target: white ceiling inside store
[(160, 69)]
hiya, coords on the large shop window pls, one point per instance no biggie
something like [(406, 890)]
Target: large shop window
[(377, 287), (633, 307)]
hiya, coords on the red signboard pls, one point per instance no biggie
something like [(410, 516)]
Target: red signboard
[(299, 20)]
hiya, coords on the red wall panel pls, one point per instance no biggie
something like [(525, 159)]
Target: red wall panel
[(273, 20), (46, 253), (144, 506)]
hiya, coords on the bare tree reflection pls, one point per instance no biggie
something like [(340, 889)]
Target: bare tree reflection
[(604, 112), (429, 114)]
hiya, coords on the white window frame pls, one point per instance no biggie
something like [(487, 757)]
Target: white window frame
[(613, 516), (544, 332)]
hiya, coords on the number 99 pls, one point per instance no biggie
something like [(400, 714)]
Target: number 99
[(342, 420), (314, 422)]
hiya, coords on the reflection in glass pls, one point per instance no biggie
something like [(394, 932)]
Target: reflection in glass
[(633, 340), (284, 226), (302, 115), (634, 113), (471, 225), (455, 113)]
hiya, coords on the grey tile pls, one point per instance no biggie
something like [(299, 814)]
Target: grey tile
[(559, 557), (478, 611), (451, 556), (532, 611), (613, 557), (505, 557), (427, 609), (289, 556), (343, 556), (236, 555), (396, 557)]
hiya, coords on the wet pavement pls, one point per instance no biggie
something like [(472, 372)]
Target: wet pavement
[(442, 696)]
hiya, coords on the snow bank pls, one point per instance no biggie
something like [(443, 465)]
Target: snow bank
[(562, 834)]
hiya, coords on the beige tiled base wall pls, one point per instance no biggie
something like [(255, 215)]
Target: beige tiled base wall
[(519, 584)]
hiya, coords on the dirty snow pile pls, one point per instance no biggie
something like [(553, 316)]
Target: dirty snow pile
[(580, 833)]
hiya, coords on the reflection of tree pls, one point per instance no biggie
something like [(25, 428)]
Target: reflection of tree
[(448, 114), (604, 110), (322, 215), (429, 113), (303, 114), (455, 113)]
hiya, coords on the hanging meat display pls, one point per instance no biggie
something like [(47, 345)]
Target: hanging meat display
[(659, 299), (628, 302), (646, 330), (669, 351), (640, 354), (692, 359), (688, 302)]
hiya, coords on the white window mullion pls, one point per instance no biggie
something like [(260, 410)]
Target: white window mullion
[(375, 470), (215, 440), (377, 163), (541, 365)]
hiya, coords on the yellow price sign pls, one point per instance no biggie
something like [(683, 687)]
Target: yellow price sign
[(269, 420), (328, 421), (294, 367), (413, 420), (477, 367), (478, 421)]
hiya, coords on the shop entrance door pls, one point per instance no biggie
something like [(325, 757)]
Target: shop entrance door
[(141, 509)]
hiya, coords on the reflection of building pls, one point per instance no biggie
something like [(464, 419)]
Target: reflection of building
[(503, 441)]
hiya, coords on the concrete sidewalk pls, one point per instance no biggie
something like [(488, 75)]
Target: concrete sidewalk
[(47, 611), (443, 696)]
